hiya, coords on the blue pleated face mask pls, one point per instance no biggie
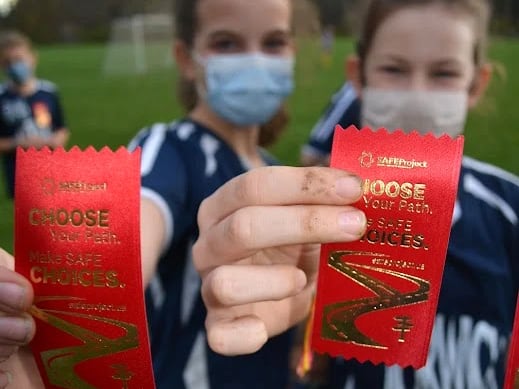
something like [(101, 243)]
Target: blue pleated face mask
[(247, 89), (19, 72)]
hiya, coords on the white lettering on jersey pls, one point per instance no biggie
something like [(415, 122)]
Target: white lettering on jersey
[(454, 360)]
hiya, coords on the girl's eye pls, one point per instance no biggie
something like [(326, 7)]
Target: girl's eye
[(276, 43), (392, 69), (225, 45), (445, 74)]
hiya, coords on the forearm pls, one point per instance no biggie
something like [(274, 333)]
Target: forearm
[(153, 236)]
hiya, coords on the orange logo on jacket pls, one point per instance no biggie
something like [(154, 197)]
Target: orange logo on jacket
[(42, 116)]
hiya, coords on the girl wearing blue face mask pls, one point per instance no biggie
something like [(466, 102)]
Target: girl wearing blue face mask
[(236, 64)]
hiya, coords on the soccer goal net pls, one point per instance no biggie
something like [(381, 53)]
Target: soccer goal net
[(139, 44)]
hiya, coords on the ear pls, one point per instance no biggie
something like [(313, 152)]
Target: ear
[(480, 84), (184, 60), (354, 73)]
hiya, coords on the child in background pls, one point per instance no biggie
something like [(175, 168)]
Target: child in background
[(30, 109)]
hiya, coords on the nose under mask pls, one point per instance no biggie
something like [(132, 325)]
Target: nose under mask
[(439, 112)]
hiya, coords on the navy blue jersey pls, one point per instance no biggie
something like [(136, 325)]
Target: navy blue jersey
[(39, 114), (344, 109), (182, 164), (477, 298)]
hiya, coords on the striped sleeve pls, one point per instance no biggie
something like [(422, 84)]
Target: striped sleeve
[(344, 109), (163, 176)]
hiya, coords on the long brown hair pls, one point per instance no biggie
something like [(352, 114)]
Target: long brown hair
[(186, 26)]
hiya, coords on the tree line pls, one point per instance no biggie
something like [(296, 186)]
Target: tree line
[(48, 21)]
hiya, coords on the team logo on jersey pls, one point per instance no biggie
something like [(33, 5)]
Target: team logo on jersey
[(42, 116)]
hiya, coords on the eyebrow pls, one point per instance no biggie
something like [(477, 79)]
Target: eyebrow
[(441, 62), (281, 31), (447, 62), (393, 57), (217, 33), (278, 31)]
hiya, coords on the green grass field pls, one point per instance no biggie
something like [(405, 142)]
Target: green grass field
[(109, 111)]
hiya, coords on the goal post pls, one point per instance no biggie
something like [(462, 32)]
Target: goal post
[(139, 44)]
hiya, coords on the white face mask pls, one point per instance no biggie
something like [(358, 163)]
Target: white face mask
[(439, 112)]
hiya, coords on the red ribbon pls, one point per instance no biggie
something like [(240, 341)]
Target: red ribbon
[(77, 240), (512, 370), (377, 298)]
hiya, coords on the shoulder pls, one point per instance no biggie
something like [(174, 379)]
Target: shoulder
[(490, 173), (156, 144), (345, 98), (167, 143), (46, 86), (491, 186), (346, 93), (343, 109), (159, 134)]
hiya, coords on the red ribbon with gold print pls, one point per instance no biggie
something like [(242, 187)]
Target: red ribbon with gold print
[(77, 240), (512, 370), (377, 297)]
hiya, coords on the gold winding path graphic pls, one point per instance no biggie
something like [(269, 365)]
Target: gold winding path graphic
[(60, 363), (339, 318)]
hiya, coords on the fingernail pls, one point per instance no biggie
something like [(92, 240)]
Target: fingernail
[(15, 329), (349, 187), (11, 295), (352, 222)]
